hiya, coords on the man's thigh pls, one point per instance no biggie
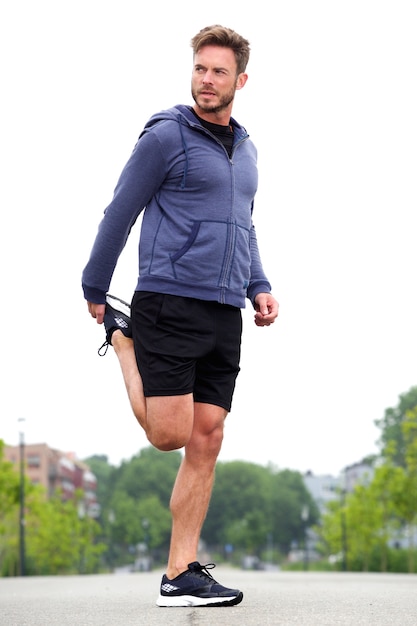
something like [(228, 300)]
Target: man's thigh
[(170, 419)]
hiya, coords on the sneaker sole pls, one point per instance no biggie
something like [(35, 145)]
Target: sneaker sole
[(118, 304), (166, 601)]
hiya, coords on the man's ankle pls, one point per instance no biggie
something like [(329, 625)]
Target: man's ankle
[(173, 572)]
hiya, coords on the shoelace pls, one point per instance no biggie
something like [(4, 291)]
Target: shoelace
[(105, 346), (201, 570)]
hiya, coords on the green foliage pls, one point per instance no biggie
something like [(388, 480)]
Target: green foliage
[(375, 513), (233, 480), (133, 519), (289, 497), (9, 487), (135, 507), (9, 515), (150, 472), (252, 505), (256, 510), (391, 427), (404, 491), (57, 539)]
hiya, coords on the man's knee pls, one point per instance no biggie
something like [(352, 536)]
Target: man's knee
[(165, 441), (169, 421)]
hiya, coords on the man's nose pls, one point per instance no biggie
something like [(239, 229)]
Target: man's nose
[(208, 77)]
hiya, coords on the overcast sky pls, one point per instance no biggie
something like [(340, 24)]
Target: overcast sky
[(331, 104)]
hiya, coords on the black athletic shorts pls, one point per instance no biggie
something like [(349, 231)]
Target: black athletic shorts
[(185, 345)]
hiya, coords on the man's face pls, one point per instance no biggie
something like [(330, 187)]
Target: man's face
[(214, 79)]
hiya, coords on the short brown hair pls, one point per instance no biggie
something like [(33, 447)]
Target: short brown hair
[(226, 37)]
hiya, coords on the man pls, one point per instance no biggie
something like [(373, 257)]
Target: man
[(194, 172)]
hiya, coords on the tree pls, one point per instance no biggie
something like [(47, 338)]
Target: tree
[(373, 513), (9, 485), (61, 539), (330, 531), (136, 505), (150, 472), (404, 495), (253, 506), (104, 473), (9, 515), (391, 427), (240, 488), (364, 519), (57, 539), (288, 500), (384, 481)]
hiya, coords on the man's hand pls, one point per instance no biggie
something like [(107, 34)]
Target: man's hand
[(266, 309), (96, 311)]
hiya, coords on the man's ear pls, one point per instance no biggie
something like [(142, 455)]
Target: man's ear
[(241, 80)]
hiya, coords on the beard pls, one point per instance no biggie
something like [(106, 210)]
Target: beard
[(224, 101)]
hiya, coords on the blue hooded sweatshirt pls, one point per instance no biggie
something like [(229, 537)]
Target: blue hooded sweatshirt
[(197, 237)]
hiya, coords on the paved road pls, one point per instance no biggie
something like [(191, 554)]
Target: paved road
[(270, 598)]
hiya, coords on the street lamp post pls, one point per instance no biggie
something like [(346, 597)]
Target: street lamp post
[(344, 530), (147, 553), (145, 526), (22, 568), (305, 512), (343, 493)]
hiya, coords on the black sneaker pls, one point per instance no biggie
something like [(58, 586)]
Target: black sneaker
[(196, 587), (116, 317)]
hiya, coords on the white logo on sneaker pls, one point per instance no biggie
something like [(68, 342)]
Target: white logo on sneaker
[(168, 588), (121, 322)]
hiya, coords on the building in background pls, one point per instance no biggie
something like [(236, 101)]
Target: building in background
[(323, 488), (57, 471)]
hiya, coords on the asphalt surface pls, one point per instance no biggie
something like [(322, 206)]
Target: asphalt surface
[(272, 598)]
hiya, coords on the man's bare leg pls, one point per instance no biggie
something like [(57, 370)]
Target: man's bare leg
[(166, 420), (171, 423), (193, 486), (123, 347)]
